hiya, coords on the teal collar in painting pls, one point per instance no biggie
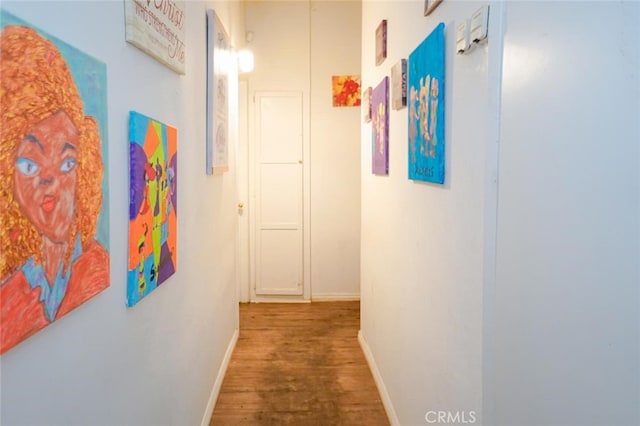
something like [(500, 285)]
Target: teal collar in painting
[(51, 296)]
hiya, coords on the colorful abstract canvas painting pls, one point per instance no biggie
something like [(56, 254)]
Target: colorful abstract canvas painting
[(53, 179), (426, 108), (345, 90), (153, 207), (380, 124)]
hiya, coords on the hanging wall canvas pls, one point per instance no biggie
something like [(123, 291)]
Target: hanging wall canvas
[(399, 84), (380, 124), (158, 29), (54, 205), (366, 104), (381, 42), (153, 207), (426, 108), (218, 66), (430, 5), (345, 90)]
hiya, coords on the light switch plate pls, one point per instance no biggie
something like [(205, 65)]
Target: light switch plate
[(462, 37), (479, 24)]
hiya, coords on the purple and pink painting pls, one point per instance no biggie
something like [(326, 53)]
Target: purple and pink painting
[(152, 205), (380, 123)]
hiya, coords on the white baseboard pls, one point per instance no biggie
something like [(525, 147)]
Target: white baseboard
[(386, 400), (218, 383), (335, 297), (278, 300)]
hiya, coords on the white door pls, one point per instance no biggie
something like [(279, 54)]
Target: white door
[(278, 181)]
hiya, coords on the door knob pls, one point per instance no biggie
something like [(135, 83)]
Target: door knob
[(240, 206)]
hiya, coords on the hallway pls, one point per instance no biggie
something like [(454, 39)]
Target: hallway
[(299, 364)]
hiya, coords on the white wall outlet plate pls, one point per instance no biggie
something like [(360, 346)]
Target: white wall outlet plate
[(479, 24), (462, 37)]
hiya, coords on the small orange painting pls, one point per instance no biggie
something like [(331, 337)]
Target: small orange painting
[(345, 90)]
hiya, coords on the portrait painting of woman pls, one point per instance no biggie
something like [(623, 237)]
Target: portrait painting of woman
[(54, 223)]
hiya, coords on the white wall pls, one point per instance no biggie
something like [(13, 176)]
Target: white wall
[(156, 363), (335, 153), (298, 46), (568, 277), (423, 244), (512, 290), (281, 48)]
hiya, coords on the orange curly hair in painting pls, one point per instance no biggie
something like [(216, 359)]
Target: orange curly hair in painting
[(36, 83)]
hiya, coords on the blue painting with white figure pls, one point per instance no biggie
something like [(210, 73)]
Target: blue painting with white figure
[(426, 108)]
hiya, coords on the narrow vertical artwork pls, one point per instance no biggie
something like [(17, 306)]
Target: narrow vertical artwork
[(153, 205), (381, 42), (219, 59), (430, 5), (399, 84), (366, 104), (426, 108), (53, 179), (380, 124)]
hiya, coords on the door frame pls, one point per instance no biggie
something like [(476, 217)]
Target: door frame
[(242, 182)]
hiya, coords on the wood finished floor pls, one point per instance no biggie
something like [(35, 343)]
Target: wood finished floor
[(299, 364)]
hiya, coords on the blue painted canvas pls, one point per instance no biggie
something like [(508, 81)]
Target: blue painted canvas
[(426, 108)]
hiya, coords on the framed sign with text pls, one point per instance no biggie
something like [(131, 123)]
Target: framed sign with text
[(157, 27)]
